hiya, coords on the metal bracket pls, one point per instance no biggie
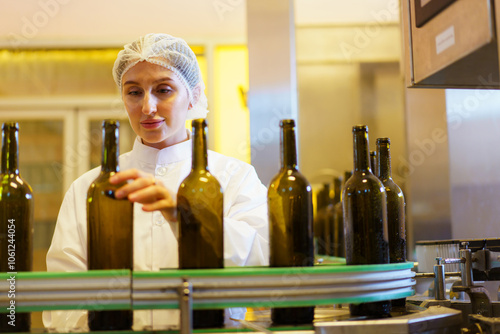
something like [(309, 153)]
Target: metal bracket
[(186, 306), (479, 297)]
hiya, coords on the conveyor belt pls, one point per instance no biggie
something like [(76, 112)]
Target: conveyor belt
[(214, 288)]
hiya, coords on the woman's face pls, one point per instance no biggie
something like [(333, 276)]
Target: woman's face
[(157, 103)]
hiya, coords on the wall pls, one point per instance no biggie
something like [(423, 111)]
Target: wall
[(231, 114), (113, 23), (425, 168), (474, 134), (342, 83)]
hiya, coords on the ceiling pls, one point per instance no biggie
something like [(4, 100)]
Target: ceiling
[(72, 22)]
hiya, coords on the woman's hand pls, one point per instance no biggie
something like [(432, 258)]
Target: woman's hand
[(145, 189)]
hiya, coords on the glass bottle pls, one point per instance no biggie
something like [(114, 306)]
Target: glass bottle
[(374, 162), (395, 209), (365, 219), (321, 229), (336, 229), (339, 218), (200, 216), (339, 250), (109, 228), (327, 218), (16, 228), (290, 222)]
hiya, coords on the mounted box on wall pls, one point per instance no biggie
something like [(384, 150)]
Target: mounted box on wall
[(451, 44)]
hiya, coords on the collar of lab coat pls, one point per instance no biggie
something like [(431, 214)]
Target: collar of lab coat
[(171, 154)]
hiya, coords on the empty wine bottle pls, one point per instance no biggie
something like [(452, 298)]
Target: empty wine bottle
[(336, 230), (200, 216), (321, 228), (109, 228), (290, 222), (395, 209), (374, 162), (337, 188), (16, 225), (339, 218), (365, 220)]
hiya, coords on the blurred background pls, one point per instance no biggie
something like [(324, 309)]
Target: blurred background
[(330, 64)]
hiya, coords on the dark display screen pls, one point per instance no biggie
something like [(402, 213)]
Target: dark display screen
[(427, 9)]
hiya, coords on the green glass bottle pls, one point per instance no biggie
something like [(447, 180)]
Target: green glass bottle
[(336, 230), (374, 162), (339, 220), (110, 228), (290, 222), (395, 209), (365, 220), (16, 228), (321, 228), (200, 216)]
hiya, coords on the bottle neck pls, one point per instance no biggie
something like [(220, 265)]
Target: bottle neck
[(337, 188), (374, 163), (361, 151), (384, 157), (288, 147), (110, 147), (10, 149), (323, 197), (200, 161)]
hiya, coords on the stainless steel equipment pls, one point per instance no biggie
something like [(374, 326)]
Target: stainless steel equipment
[(457, 47), (478, 260)]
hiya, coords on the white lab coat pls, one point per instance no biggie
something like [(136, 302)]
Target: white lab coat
[(155, 239)]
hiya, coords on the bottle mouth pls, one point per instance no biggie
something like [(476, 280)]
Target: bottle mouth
[(360, 128), (10, 125), (383, 141), (199, 121), (287, 122), (111, 122)]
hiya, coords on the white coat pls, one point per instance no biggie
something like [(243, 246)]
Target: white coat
[(155, 239)]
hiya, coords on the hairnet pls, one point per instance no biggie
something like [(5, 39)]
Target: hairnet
[(172, 53)]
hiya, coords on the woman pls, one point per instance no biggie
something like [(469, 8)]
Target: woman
[(161, 87)]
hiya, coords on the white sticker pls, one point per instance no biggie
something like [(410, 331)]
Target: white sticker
[(424, 2), (445, 39)]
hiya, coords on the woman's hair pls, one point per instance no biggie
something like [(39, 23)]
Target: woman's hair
[(172, 53)]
